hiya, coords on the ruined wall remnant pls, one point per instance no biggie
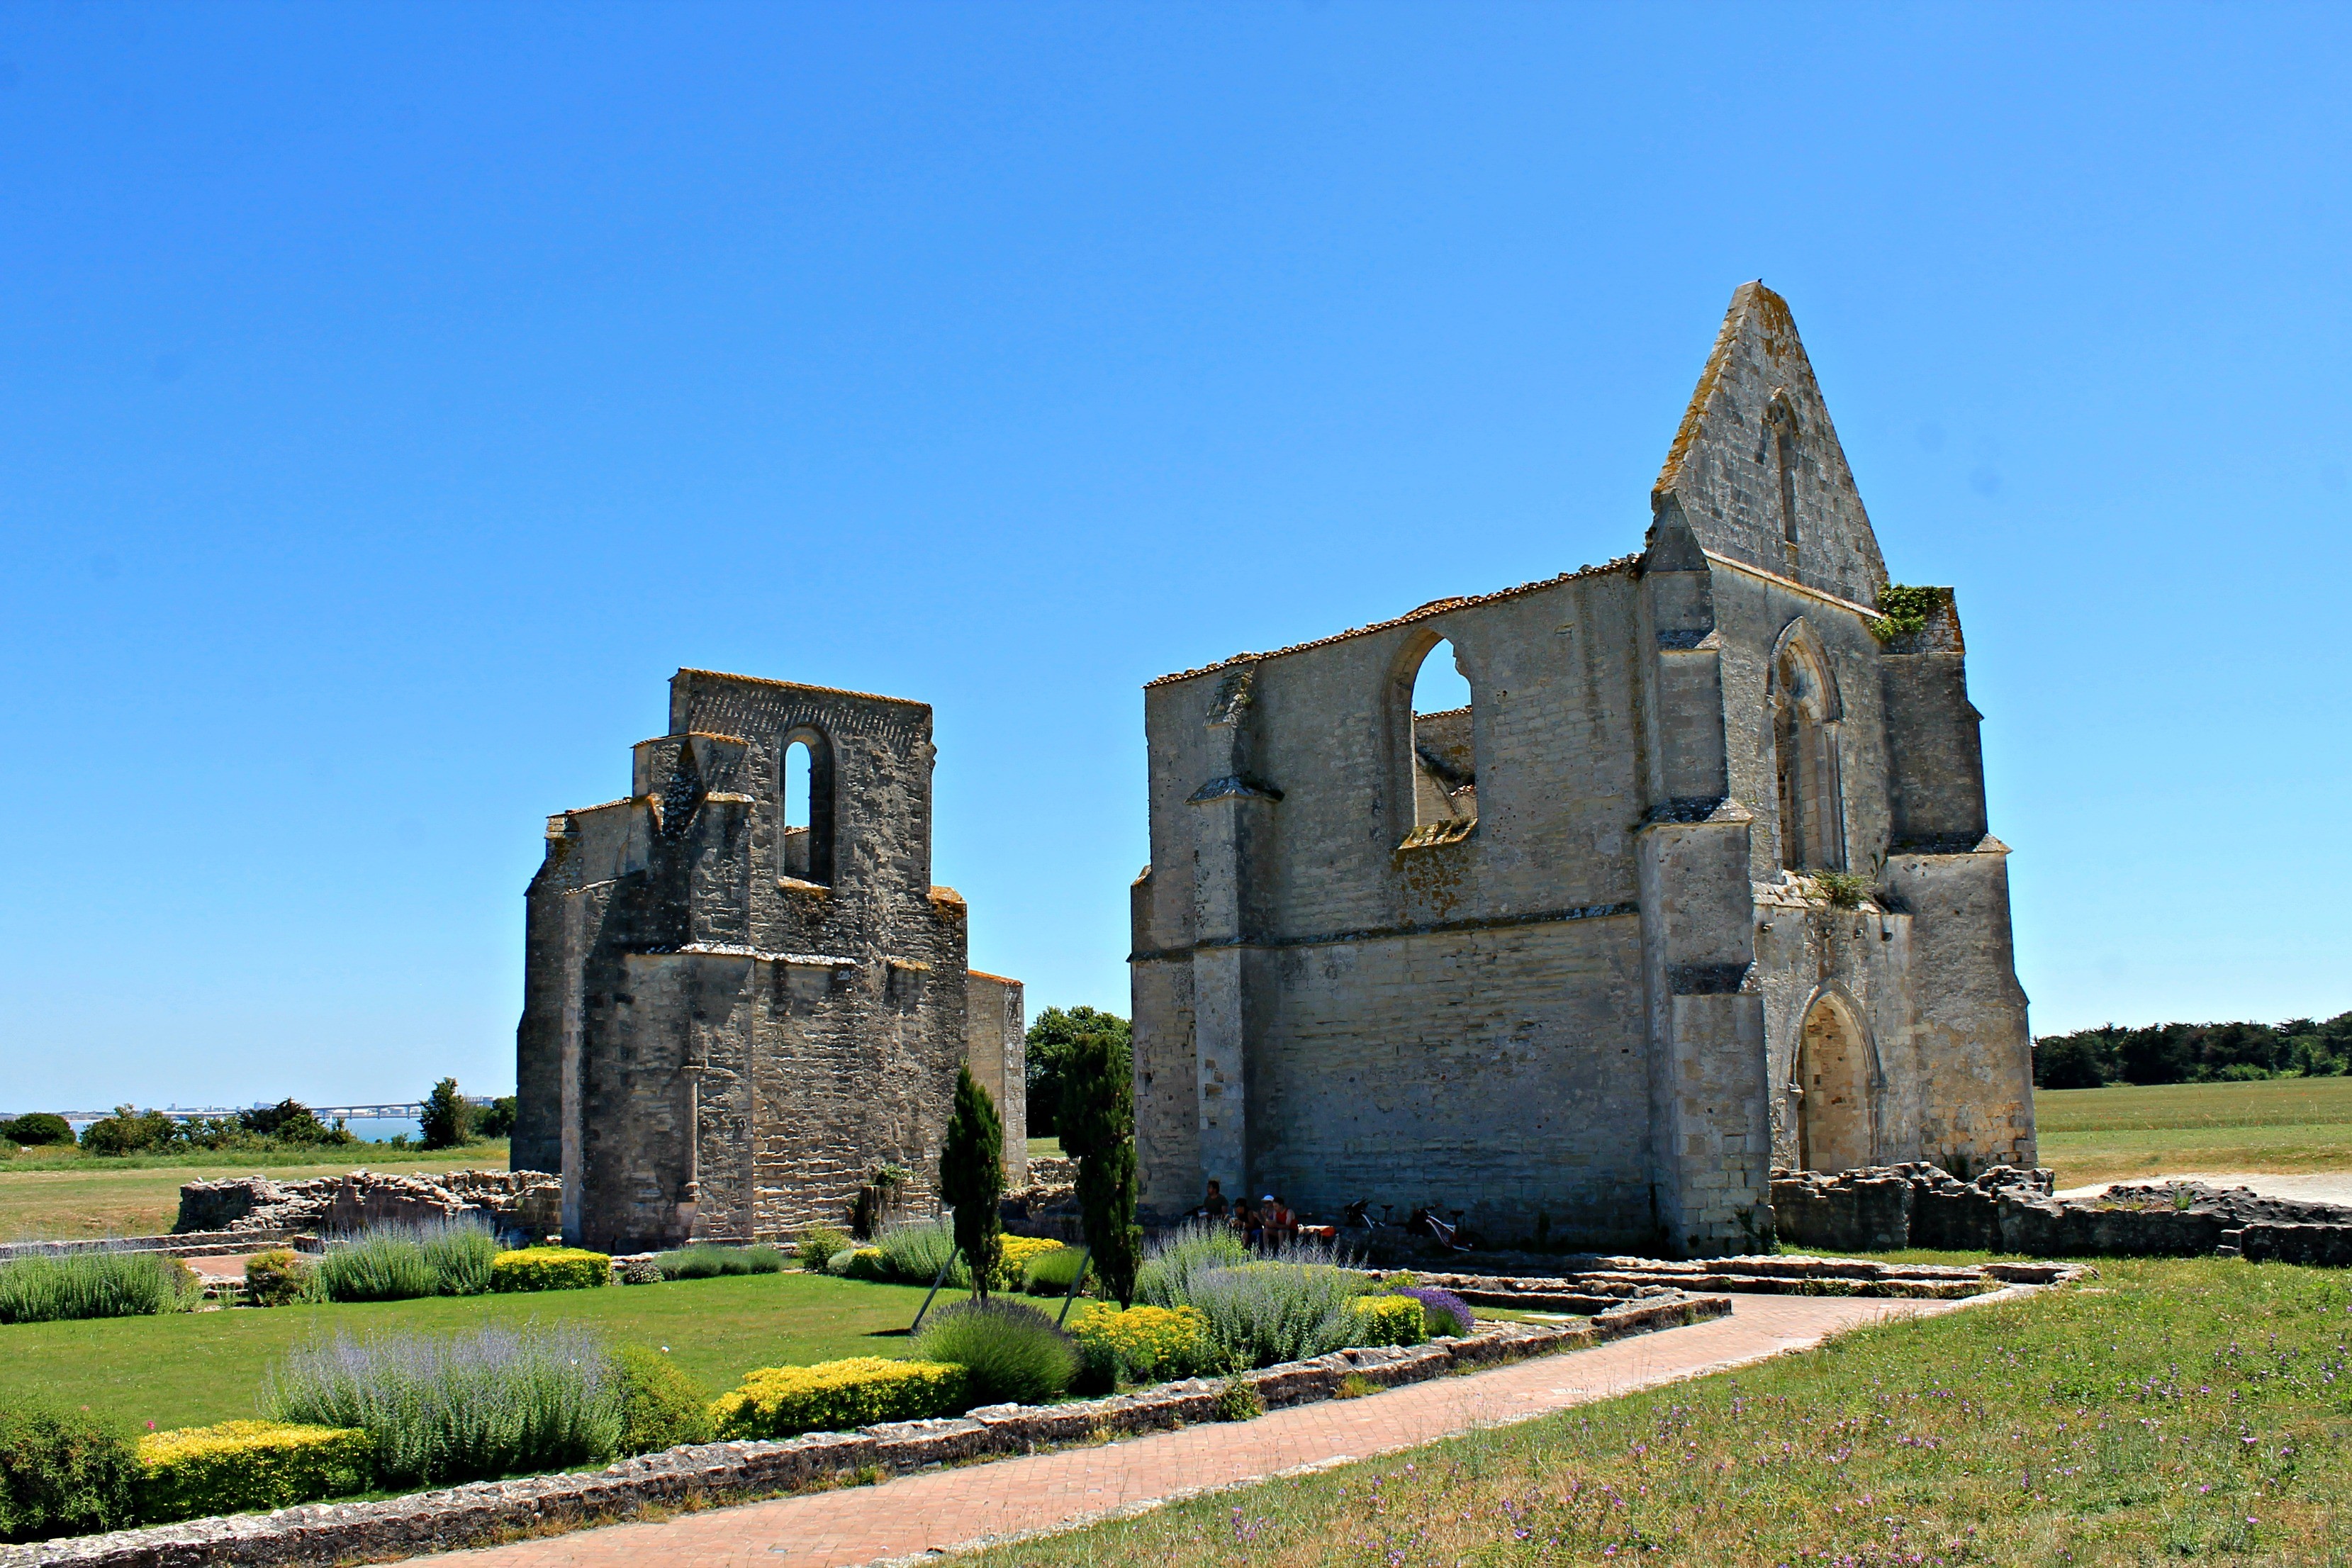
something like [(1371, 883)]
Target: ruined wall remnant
[(1698, 883), (734, 1017)]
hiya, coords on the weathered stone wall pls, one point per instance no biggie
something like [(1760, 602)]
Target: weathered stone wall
[(518, 1202), (998, 1051), (1583, 1010), (730, 1024)]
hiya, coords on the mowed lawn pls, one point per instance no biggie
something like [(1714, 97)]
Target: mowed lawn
[(2289, 1125), (62, 1193), (2168, 1411), (195, 1368)]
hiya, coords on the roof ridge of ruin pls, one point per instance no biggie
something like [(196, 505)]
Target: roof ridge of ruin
[(984, 975), (802, 685), (1436, 607), (1750, 293)]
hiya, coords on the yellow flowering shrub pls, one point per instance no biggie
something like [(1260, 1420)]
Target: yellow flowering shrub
[(1141, 1344), (838, 1396), (1388, 1320), (242, 1467), (550, 1269)]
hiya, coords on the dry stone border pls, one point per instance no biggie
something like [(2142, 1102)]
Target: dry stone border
[(1597, 1284), (1886, 1208), (527, 1200), (716, 1473)]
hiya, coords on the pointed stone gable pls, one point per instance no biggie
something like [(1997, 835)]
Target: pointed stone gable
[(1756, 471)]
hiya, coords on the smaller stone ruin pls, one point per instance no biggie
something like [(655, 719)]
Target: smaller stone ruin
[(515, 1203), (1886, 1207)]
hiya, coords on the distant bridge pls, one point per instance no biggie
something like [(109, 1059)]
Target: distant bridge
[(389, 1111)]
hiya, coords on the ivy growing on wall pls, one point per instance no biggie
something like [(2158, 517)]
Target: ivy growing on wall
[(1904, 609)]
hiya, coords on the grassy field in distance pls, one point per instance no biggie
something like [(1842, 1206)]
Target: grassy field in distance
[(63, 1194), (195, 1368), (2288, 1125), (1044, 1148)]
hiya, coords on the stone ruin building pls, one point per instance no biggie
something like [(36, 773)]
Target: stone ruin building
[(1700, 883), (732, 1021)]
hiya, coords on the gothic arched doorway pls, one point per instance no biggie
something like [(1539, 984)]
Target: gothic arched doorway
[(1833, 1128)]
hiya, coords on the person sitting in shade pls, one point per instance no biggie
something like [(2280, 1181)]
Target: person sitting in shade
[(1280, 1224), (1214, 1207), (1247, 1221)]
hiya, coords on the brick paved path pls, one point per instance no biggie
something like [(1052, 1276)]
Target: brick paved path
[(935, 1509)]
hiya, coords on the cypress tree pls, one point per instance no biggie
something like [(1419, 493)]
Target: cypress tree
[(1097, 1123), (972, 1178)]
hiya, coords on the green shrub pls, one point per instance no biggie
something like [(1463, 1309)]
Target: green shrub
[(1050, 1273), (278, 1278), (246, 1466), (817, 1245), (130, 1131), (551, 1269), (1193, 1249), (1239, 1399), (1388, 1320), (1141, 1344), (661, 1408), (403, 1262), (912, 1254), (63, 1474), (497, 1120), (1014, 1255), (448, 1119), (101, 1283), (37, 1129), (1013, 1351), (838, 1396), (708, 1261), (462, 1407)]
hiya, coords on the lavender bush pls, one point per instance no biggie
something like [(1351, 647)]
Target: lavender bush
[(499, 1401), (99, 1282), (402, 1262), (1446, 1312)]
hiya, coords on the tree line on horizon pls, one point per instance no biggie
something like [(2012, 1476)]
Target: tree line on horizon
[(2194, 1053)]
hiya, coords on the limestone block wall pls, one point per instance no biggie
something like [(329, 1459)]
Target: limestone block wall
[(731, 1021)]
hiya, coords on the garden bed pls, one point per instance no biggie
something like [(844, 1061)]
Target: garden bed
[(715, 1473)]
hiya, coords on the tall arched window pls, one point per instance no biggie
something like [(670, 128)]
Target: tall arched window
[(1444, 759), (807, 838), (1781, 436), (1805, 756)]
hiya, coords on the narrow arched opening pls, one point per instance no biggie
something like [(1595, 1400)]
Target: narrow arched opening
[(1444, 749), (1834, 1119), (807, 808), (1805, 764)]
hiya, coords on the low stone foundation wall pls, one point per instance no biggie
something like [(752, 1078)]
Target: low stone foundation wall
[(194, 1244), (2005, 1210), (710, 1473), (530, 1203), (1602, 1284)]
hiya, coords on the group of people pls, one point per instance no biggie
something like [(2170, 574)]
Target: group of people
[(1264, 1223)]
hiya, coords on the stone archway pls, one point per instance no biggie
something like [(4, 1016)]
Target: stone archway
[(1833, 1121)]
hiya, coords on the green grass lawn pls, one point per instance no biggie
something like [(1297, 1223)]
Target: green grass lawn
[(2288, 1125), (2167, 1411), (195, 1368), (1044, 1148), (62, 1193)]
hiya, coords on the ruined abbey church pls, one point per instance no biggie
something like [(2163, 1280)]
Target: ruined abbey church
[(1698, 884), (738, 1013)]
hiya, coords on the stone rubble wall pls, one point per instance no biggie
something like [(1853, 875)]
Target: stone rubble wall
[(524, 1201), (716, 1473), (2009, 1210), (195, 1243)]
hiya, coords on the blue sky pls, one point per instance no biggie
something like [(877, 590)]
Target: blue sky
[(391, 397)]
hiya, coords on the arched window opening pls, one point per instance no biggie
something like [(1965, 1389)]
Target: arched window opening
[(1833, 1119), (807, 849), (1444, 759), (1781, 436), (1805, 761)]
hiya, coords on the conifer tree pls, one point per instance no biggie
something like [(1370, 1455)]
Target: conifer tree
[(972, 1178), (1098, 1127)]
